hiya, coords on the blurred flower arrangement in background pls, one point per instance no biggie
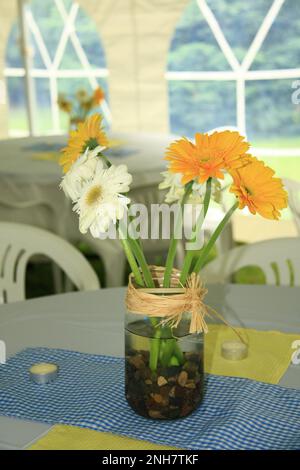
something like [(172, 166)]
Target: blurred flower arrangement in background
[(80, 105)]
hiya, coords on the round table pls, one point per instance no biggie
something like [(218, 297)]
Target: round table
[(25, 160), (30, 176), (92, 322)]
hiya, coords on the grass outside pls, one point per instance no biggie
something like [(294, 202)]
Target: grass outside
[(288, 167), (17, 120), (278, 143)]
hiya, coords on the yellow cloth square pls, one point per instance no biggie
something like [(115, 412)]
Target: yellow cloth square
[(47, 156), (62, 437), (269, 353)]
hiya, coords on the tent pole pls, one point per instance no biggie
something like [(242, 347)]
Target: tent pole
[(26, 55)]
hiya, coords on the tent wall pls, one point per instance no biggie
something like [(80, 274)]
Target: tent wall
[(8, 14), (136, 35)]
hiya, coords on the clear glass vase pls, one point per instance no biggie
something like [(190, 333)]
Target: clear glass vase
[(163, 367)]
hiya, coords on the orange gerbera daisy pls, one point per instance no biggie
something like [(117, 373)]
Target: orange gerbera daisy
[(208, 157), (255, 187), (98, 96), (89, 134)]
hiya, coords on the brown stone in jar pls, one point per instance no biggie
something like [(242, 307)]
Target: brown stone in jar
[(161, 381), (182, 378)]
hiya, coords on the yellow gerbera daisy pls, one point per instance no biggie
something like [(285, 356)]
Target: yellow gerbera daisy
[(89, 134), (208, 157), (255, 187), (64, 104)]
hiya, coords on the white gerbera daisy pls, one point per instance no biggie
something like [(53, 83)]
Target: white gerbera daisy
[(172, 181), (101, 201), (82, 170)]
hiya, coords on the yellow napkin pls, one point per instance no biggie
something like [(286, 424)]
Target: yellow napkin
[(47, 156), (116, 143), (55, 156), (268, 358), (62, 437)]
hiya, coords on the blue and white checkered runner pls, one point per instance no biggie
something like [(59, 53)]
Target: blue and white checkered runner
[(236, 413)]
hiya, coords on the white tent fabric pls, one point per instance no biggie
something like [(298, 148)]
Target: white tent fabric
[(136, 36)]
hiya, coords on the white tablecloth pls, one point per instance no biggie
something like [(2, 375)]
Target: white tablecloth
[(142, 152), (29, 190), (92, 322)]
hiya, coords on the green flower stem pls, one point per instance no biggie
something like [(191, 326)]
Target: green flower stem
[(130, 256), (136, 259), (190, 254), (135, 255), (134, 247), (168, 349), (105, 159), (202, 258), (174, 241), (155, 344), (140, 257), (178, 353), (132, 262)]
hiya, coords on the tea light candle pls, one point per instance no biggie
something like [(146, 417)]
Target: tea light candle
[(43, 372), (234, 350)]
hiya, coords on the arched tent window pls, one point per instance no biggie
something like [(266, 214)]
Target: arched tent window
[(65, 54), (235, 63)]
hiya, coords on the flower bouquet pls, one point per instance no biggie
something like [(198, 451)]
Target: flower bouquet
[(80, 105), (165, 321)]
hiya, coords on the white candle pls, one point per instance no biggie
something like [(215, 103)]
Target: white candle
[(234, 350), (43, 372)]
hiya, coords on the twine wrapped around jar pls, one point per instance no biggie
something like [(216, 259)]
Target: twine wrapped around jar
[(171, 303)]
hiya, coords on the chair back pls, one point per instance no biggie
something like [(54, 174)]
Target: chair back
[(19, 242), (293, 189), (279, 259)]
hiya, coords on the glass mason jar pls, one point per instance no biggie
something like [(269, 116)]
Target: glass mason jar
[(163, 367)]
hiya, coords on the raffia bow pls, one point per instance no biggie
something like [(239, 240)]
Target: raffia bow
[(172, 304)]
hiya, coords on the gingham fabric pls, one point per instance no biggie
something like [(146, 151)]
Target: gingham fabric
[(236, 413)]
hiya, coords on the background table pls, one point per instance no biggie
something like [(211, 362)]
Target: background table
[(93, 323), (25, 177), (29, 188)]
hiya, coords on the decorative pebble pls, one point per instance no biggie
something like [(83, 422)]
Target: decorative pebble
[(155, 414), (137, 361), (182, 378), (170, 392), (161, 381), (191, 385), (234, 350), (157, 398)]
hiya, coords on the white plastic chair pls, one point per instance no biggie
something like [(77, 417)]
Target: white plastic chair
[(279, 259), (22, 210), (293, 188), (18, 243)]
